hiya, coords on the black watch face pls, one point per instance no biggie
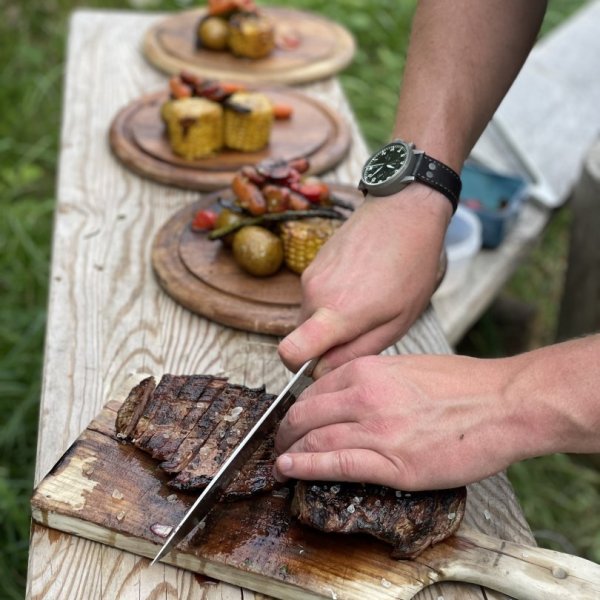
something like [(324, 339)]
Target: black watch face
[(383, 165)]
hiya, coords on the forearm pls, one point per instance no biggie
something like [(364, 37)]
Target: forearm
[(555, 398), (462, 58)]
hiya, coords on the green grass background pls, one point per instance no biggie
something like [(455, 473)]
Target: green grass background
[(560, 497)]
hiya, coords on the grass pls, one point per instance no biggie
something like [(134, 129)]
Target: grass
[(558, 495)]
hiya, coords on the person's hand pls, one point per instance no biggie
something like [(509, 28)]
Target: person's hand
[(371, 280), (408, 422)]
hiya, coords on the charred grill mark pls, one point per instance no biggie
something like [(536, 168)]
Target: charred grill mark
[(169, 385), (257, 475), (183, 429), (246, 410), (202, 430), (171, 413)]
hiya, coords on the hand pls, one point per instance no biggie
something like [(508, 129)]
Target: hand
[(371, 280), (408, 422)]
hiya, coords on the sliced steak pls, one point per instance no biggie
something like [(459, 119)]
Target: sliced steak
[(202, 429), (183, 428), (134, 405), (167, 388), (172, 413), (233, 426), (256, 477), (411, 522)]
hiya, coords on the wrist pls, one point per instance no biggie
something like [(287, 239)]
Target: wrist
[(554, 397)]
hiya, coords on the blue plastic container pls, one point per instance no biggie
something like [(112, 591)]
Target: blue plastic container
[(496, 199)]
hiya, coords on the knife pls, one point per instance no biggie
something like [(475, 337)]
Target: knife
[(238, 458)]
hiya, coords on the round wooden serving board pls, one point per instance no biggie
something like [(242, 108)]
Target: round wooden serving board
[(138, 138), (202, 275), (323, 49)]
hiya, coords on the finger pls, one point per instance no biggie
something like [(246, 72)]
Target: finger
[(371, 343), (337, 436), (358, 465), (313, 413), (323, 330)]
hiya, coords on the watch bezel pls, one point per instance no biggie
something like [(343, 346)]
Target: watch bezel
[(400, 179)]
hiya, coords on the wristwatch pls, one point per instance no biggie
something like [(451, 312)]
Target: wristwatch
[(399, 163)]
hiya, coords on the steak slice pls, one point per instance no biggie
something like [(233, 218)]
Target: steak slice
[(183, 428), (134, 405), (167, 388), (173, 412), (411, 522), (202, 429), (233, 426), (256, 476)]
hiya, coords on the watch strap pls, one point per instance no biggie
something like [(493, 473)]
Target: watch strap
[(440, 177)]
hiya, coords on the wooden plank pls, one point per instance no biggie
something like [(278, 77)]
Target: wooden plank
[(108, 317)]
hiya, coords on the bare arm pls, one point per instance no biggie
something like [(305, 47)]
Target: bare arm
[(425, 422), (376, 275)]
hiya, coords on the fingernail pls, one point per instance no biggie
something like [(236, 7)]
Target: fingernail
[(321, 369), (285, 463)]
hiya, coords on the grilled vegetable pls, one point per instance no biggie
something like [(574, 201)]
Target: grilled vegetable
[(248, 121), (303, 239), (251, 35), (288, 215), (194, 126), (213, 33), (226, 218), (204, 220), (257, 251)]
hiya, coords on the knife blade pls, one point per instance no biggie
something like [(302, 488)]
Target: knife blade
[(238, 458)]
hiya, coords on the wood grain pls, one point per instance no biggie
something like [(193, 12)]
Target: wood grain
[(202, 275), (108, 317), (116, 494), (138, 138), (325, 48)]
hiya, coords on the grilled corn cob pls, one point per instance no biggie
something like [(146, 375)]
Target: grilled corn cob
[(251, 35), (303, 239), (194, 126), (248, 129)]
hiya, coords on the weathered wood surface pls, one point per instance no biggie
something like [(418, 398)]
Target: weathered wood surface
[(580, 307), (138, 138), (95, 490), (324, 48), (108, 316)]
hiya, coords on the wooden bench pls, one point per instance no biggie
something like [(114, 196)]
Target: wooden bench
[(108, 317)]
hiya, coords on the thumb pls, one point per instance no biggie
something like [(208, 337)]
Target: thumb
[(323, 330)]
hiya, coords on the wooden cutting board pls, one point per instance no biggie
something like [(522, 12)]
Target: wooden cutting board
[(324, 48), (113, 493), (138, 138), (202, 275)]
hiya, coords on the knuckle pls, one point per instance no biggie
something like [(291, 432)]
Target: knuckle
[(312, 442), (345, 465), (294, 417)]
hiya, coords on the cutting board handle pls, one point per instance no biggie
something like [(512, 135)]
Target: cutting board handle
[(523, 572)]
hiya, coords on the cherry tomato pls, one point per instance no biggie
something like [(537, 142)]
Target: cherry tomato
[(204, 220)]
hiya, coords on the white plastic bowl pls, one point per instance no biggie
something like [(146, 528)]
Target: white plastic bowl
[(463, 242)]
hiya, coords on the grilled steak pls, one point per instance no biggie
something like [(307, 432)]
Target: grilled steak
[(411, 522), (192, 424)]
